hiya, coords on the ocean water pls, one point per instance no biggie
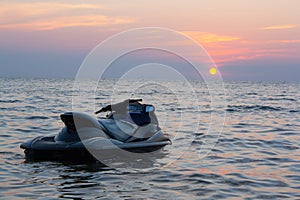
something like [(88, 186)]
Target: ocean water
[(257, 155)]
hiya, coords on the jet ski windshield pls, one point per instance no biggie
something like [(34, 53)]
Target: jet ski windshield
[(133, 111)]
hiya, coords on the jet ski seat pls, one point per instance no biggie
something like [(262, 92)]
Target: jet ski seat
[(75, 122)]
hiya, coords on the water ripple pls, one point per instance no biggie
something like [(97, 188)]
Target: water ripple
[(256, 157)]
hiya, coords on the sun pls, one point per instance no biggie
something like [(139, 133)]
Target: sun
[(213, 71)]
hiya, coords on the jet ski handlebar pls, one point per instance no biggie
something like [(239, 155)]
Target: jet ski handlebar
[(124, 103)]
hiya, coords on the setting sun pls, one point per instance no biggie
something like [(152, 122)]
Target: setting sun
[(213, 71)]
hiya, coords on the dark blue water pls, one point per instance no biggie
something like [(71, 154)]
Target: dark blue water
[(256, 157)]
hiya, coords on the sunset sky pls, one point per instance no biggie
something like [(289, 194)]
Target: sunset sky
[(247, 39)]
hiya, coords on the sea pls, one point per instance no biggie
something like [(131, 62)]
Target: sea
[(242, 142)]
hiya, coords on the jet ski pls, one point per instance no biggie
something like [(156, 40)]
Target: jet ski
[(129, 125)]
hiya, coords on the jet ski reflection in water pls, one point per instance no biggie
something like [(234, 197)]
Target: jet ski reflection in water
[(128, 125)]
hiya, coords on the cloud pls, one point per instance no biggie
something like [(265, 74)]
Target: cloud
[(72, 21), (226, 48), (289, 41), (222, 48), (53, 15), (204, 37), (278, 27)]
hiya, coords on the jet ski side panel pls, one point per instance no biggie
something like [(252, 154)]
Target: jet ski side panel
[(42, 148)]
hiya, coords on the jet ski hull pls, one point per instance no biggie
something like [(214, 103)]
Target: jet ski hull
[(45, 148)]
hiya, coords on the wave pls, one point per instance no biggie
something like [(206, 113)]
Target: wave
[(252, 93), (37, 117), (10, 101), (247, 108), (280, 99)]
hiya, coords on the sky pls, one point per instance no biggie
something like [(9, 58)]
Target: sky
[(247, 39)]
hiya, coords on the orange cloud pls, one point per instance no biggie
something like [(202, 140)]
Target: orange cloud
[(63, 22), (278, 27), (204, 37), (222, 48), (289, 41), (10, 11), (48, 16)]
